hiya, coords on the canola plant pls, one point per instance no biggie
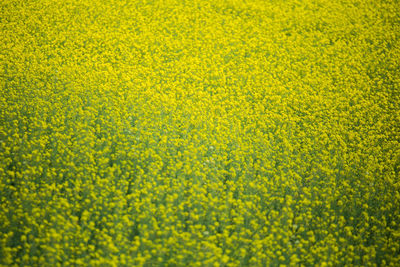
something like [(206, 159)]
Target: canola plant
[(199, 133)]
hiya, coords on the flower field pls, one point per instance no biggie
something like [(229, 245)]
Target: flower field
[(200, 133)]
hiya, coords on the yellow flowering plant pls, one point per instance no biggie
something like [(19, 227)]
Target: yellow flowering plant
[(199, 133)]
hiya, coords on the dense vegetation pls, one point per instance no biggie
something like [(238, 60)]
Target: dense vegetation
[(199, 133)]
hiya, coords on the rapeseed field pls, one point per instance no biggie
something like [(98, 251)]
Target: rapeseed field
[(200, 133)]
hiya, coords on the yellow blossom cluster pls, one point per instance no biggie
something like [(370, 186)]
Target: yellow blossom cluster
[(199, 133)]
